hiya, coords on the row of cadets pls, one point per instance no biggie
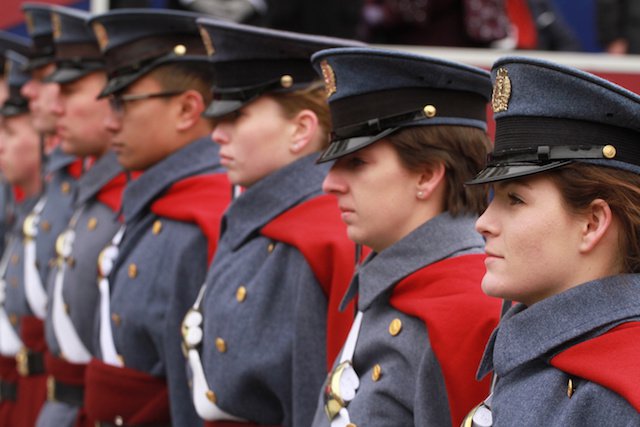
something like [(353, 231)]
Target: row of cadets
[(20, 163), (29, 265), (158, 85), (72, 283), (266, 327)]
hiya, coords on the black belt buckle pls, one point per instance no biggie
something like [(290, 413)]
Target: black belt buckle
[(60, 392), (29, 362)]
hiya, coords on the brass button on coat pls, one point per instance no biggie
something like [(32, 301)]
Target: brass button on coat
[(133, 271), (92, 223), (211, 396), (65, 187), (221, 345), (351, 425), (271, 247), (13, 319), (45, 225), (376, 373), (157, 227), (395, 327), (241, 294), (116, 319)]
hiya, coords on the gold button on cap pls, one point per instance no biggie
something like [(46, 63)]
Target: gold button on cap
[(395, 327), (376, 373), (211, 396), (429, 111), (92, 223), (221, 345), (609, 151), (241, 294), (133, 270), (157, 227), (180, 49)]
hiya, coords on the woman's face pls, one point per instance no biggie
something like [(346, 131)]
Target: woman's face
[(19, 149), (254, 141), (532, 241), (376, 195)]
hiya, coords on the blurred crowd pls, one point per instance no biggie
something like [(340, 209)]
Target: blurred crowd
[(511, 24)]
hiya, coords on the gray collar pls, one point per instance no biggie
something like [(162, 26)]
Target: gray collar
[(92, 181), (198, 157), (439, 238), (541, 330), (271, 196), (58, 159)]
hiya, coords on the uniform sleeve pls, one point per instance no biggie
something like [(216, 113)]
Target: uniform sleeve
[(431, 405), (184, 275)]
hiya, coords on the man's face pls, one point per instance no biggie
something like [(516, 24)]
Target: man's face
[(43, 99)]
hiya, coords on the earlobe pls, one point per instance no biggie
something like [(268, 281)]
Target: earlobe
[(305, 126), (598, 220), (191, 106), (430, 180)]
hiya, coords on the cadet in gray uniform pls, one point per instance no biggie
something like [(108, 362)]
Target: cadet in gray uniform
[(271, 326), (158, 85), (408, 130), (49, 215), (72, 291), (561, 235), (19, 45), (20, 163)]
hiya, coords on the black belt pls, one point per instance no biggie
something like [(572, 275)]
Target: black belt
[(66, 393), (29, 362), (105, 424), (8, 391)]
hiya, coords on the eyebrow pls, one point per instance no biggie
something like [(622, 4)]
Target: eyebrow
[(516, 181)]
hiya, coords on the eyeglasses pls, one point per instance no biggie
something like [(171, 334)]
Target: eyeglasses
[(117, 101)]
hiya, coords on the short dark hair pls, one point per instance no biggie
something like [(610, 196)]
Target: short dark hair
[(462, 150), (185, 76)]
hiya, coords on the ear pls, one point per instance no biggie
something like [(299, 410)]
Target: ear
[(597, 221), (190, 107), (305, 126), (430, 180)]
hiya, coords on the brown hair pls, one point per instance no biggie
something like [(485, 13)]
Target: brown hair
[(185, 76), (462, 150), (581, 183), (312, 98)]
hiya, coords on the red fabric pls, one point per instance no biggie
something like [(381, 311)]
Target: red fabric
[(520, 16), (71, 374), (317, 231), (9, 374), (32, 390), (200, 199), (18, 194), (76, 168), (136, 396), (459, 318), (610, 360), (111, 193)]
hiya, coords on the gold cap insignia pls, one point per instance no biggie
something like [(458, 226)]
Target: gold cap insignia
[(329, 78), (101, 35), (501, 91), (56, 25), (28, 19), (208, 43)]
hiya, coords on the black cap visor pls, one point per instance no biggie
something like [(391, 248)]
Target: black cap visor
[(342, 147), (68, 74), (497, 173)]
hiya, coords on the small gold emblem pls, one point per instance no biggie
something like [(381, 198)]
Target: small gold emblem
[(221, 346), (395, 327), (101, 35), (180, 49), (92, 223), (429, 111), (157, 227), (501, 91), (28, 19), (329, 78), (377, 372), (56, 25), (65, 187), (241, 294), (133, 271), (570, 388), (609, 151), (208, 43)]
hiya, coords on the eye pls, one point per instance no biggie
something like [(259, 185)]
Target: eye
[(356, 162), (514, 199)]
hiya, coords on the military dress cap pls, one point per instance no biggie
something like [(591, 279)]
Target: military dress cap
[(548, 115), (38, 19), (136, 41), (374, 92), (250, 61), (9, 41), (77, 52), (16, 76)]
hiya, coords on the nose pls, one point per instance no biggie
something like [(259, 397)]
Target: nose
[(28, 90), (334, 183), (487, 224), (220, 134), (112, 121)]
